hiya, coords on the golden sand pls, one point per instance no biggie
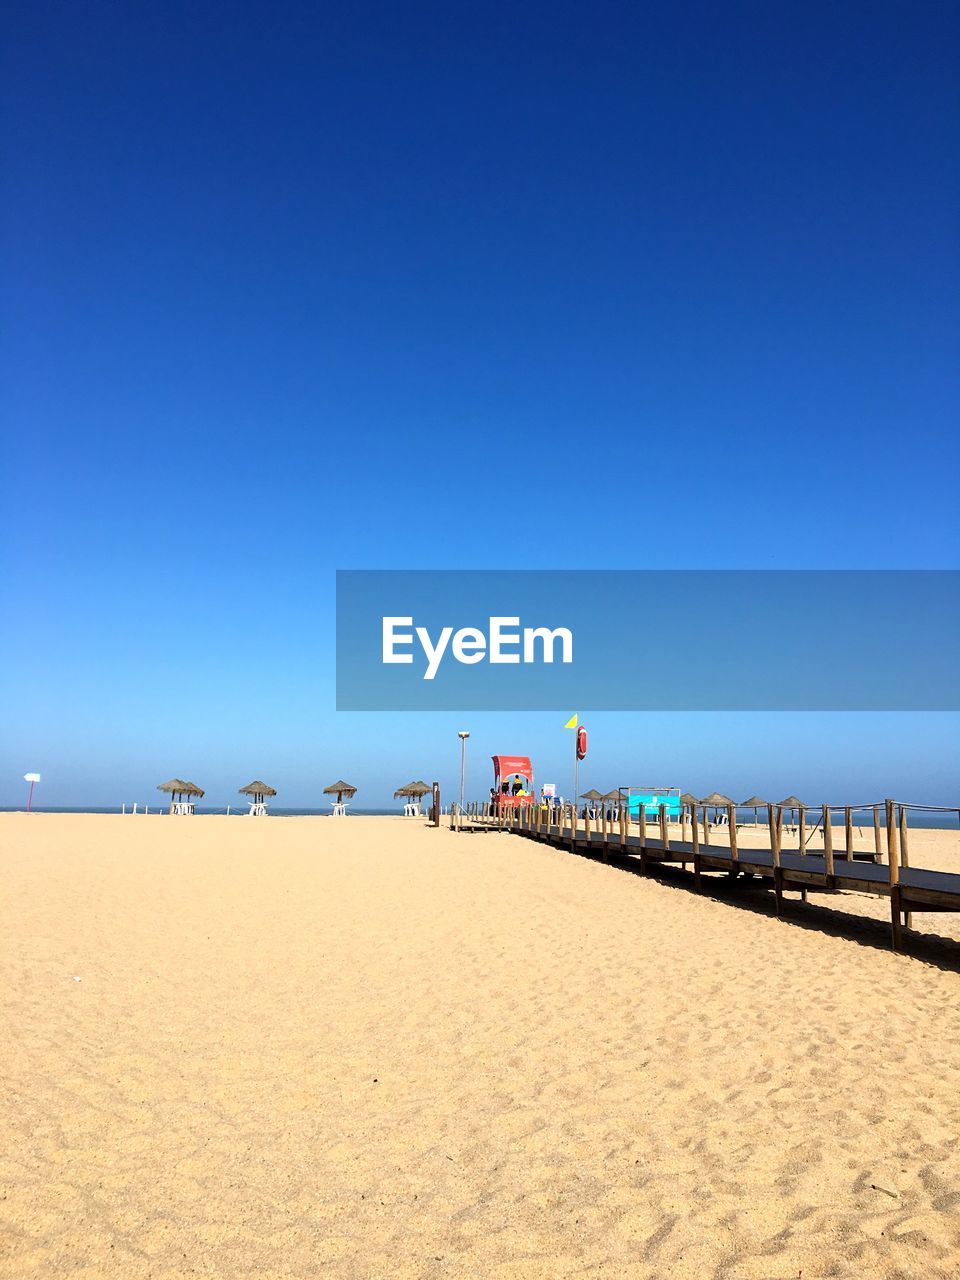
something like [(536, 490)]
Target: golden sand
[(306, 1047)]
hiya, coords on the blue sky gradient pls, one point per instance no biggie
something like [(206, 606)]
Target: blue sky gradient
[(294, 288)]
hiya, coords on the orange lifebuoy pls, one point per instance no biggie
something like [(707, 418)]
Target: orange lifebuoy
[(581, 742)]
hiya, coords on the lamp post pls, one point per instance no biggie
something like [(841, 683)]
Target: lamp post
[(463, 736)]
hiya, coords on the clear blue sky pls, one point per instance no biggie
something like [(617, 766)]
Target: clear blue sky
[(289, 288)]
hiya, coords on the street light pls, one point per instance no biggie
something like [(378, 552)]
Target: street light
[(463, 736)]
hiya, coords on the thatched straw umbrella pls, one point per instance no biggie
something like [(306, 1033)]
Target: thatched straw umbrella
[(412, 791), (176, 788), (340, 789), (612, 798), (415, 790), (793, 804), (257, 791), (755, 803), (688, 804), (592, 796), (716, 801)]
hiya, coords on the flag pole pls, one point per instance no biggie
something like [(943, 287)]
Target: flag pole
[(576, 775)]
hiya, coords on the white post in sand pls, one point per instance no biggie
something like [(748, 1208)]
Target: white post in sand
[(463, 735)]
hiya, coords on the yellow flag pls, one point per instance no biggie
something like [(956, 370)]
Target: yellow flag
[(572, 722)]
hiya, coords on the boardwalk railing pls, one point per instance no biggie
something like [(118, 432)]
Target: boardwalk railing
[(837, 866)]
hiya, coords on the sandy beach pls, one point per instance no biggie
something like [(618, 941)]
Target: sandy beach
[(300, 1047)]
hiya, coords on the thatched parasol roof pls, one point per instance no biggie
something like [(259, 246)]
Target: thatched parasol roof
[(612, 795), (755, 802), (177, 786), (716, 801), (687, 798), (592, 794), (257, 789), (791, 802), (340, 788), (415, 789)]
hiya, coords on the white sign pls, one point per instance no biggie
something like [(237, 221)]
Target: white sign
[(31, 777)]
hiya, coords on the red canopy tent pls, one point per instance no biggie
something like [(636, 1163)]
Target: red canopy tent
[(506, 770)]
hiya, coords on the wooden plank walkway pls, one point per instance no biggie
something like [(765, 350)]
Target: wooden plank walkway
[(908, 888)]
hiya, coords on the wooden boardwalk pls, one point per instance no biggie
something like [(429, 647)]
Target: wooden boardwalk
[(909, 889)]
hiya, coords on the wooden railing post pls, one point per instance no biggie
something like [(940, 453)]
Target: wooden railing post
[(877, 842), (893, 857), (848, 831), (774, 835), (827, 841), (893, 854), (664, 829), (904, 851), (905, 857), (732, 822), (774, 821)]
